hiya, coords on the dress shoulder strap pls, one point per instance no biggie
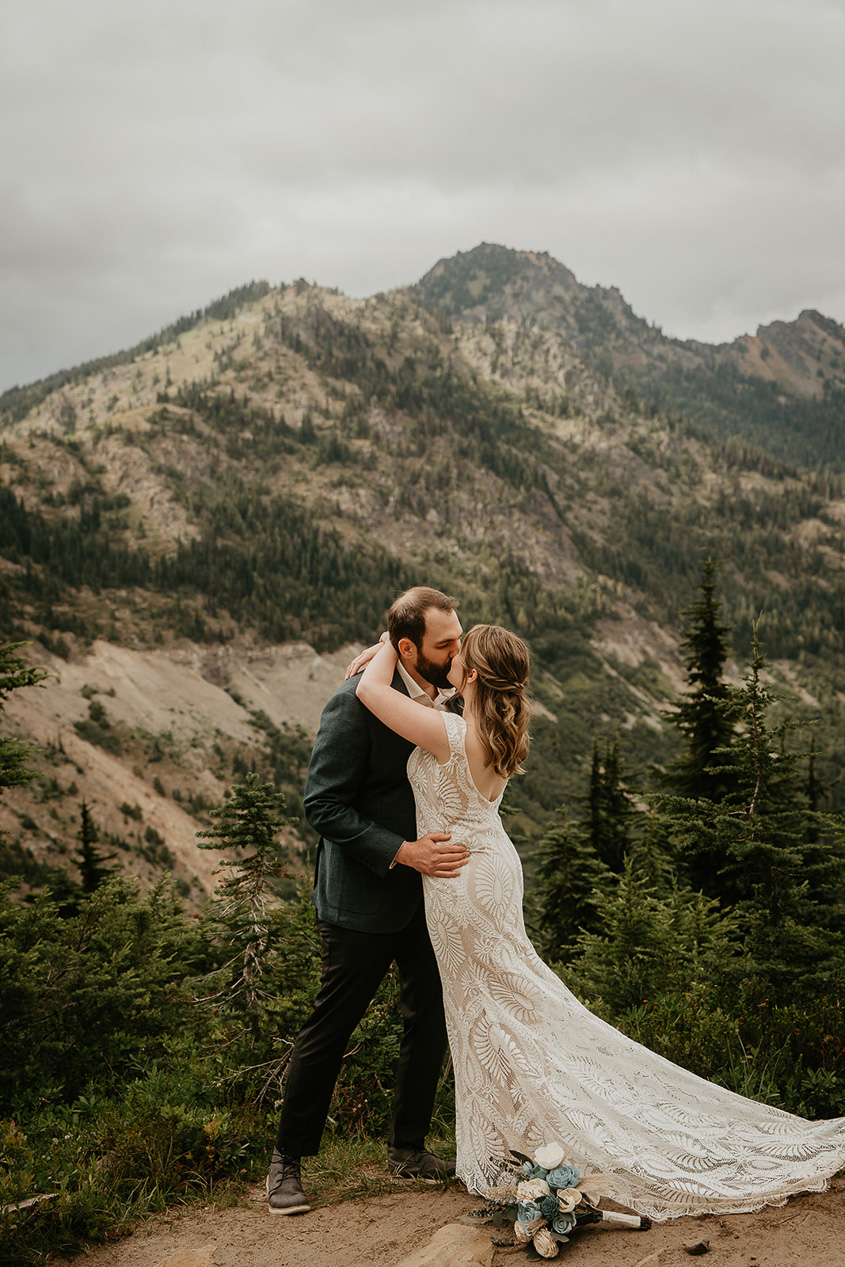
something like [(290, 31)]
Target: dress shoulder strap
[(456, 729)]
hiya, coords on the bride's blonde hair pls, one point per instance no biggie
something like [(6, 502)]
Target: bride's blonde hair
[(501, 710)]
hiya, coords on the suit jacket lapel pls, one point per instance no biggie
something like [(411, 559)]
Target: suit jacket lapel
[(399, 685)]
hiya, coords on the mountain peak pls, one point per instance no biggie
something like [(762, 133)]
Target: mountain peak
[(493, 283), (806, 356), (785, 360), (468, 279)]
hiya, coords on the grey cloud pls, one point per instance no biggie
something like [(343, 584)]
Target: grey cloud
[(158, 153)]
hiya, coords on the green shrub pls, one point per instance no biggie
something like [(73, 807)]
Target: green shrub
[(791, 1056), (85, 998)]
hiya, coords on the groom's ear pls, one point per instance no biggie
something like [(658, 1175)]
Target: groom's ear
[(406, 648)]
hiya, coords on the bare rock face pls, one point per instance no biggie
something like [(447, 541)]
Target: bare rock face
[(454, 1246)]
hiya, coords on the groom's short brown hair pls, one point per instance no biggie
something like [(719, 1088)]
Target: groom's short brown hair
[(406, 618)]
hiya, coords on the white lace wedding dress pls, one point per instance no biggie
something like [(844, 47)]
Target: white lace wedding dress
[(531, 1064)]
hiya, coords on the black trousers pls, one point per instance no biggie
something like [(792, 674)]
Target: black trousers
[(354, 965)]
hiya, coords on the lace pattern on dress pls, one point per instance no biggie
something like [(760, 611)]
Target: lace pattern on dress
[(531, 1063)]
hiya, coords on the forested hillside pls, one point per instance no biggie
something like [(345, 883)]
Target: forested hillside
[(196, 533), (277, 466)]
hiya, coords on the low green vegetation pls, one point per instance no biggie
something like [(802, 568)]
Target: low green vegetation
[(142, 1049)]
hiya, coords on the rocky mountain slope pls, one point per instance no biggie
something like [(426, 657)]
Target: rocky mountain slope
[(195, 532), (783, 388)]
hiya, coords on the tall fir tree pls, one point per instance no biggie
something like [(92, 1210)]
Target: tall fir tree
[(15, 673), (704, 725), (564, 895), (779, 859), (92, 862), (610, 810), (250, 822), (705, 720)]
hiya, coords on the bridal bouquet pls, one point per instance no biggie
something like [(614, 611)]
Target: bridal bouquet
[(546, 1200)]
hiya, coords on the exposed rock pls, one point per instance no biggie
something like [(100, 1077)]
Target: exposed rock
[(189, 1258), (454, 1246)]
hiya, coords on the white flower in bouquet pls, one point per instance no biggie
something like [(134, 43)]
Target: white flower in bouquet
[(532, 1190), (567, 1199), (550, 1155), (545, 1244)]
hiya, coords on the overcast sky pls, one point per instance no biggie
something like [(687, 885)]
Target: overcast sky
[(157, 153)]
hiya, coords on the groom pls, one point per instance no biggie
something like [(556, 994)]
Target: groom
[(369, 901)]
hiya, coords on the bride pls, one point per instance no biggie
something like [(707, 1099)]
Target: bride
[(531, 1063)]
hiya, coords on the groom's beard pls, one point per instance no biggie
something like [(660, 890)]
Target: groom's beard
[(436, 674)]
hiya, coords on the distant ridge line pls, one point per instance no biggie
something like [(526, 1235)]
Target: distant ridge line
[(16, 402)]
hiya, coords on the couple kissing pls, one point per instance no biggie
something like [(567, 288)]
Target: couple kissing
[(409, 767)]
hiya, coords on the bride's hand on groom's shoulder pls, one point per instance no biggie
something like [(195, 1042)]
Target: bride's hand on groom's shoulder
[(434, 854), (361, 661)]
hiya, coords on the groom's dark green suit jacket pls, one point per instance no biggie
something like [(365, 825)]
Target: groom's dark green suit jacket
[(357, 796)]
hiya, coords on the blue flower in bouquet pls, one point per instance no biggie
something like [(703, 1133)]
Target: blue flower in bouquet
[(549, 1206), (563, 1224), (563, 1177), (532, 1171), (528, 1211)]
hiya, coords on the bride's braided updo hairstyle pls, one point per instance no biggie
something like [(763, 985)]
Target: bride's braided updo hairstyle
[(502, 711)]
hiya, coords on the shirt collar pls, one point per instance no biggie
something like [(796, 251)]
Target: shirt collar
[(418, 695)]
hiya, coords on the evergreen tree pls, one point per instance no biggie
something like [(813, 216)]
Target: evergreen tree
[(705, 720), (249, 822), (568, 874), (814, 788), (701, 720), (15, 673), (91, 860), (653, 855), (761, 832), (824, 843), (761, 820), (609, 808), (649, 943)]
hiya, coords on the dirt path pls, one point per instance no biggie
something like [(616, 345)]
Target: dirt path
[(382, 1231)]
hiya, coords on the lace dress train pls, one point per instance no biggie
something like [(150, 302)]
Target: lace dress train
[(532, 1064)]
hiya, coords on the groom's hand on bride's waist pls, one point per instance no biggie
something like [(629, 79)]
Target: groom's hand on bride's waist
[(434, 854)]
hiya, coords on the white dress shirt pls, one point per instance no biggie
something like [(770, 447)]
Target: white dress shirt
[(419, 696)]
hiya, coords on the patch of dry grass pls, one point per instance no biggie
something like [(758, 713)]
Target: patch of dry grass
[(352, 1168)]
